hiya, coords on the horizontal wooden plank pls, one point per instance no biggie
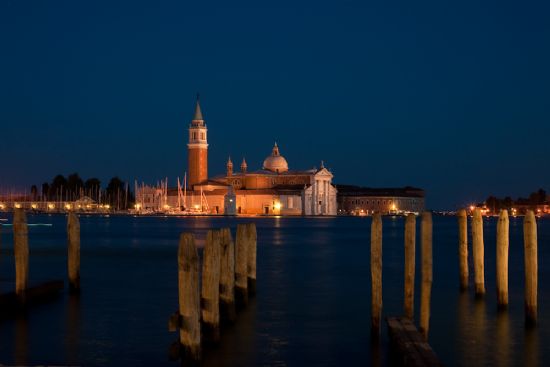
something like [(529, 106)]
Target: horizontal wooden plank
[(414, 349)]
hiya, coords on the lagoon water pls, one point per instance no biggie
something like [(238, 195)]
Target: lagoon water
[(312, 306)]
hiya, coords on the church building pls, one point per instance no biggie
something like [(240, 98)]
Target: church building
[(274, 189)]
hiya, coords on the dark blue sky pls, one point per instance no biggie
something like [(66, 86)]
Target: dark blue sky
[(451, 97)]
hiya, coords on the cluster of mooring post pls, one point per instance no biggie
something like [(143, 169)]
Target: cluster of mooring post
[(25, 294), (409, 271), (410, 343), (228, 279), (502, 251)]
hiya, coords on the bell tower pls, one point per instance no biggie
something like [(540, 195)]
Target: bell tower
[(197, 148), (229, 167)]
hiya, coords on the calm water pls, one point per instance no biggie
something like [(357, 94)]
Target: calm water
[(312, 306)]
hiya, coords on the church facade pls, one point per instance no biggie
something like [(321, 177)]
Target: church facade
[(274, 189)]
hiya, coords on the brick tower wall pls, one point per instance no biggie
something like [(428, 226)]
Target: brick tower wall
[(198, 165)]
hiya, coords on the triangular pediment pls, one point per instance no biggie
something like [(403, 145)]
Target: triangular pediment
[(323, 172)]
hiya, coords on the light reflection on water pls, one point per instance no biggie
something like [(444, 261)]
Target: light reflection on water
[(21, 340), (312, 306)]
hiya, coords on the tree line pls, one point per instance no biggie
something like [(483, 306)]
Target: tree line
[(495, 204), (117, 194)]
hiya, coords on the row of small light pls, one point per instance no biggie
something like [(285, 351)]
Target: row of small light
[(52, 206)]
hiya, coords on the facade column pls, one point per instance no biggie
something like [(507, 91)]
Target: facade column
[(323, 202), (322, 208), (319, 207), (314, 198), (312, 203), (327, 203)]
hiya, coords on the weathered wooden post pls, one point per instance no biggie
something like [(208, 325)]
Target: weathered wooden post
[(463, 248), (210, 305), (189, 299), (531, 267), (502, 258), (73, 249), (427, 273), (241, 266), (478, 248), (410, 253), (252, 249), (227, 276), (21, 251), (376, 273)]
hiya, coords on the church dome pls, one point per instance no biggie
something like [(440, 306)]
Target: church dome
[(275, 162)]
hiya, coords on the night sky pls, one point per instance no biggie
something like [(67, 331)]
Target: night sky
[(450, 97)]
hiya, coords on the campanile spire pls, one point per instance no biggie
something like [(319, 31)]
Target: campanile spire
[(198, 113)]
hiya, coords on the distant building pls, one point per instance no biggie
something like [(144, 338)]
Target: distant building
[(275, 189), (355, 200)]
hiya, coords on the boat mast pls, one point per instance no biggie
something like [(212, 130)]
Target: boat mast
[(185, 191), (136, 191), (179, 194), (165, 192)]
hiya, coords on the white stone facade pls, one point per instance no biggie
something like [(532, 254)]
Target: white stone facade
[(320, 197)]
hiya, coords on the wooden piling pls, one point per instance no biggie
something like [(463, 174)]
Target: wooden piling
[(210, 306), (189, 299), (463, 248), (531, 267), (502, 258), (478, 249), (251, 255), (427, 273), (241, 266), (21, 251), (410, 253), (227, 276), (376, 273), (73, 249)]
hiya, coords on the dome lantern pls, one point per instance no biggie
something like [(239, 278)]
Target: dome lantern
[(275, 162)]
